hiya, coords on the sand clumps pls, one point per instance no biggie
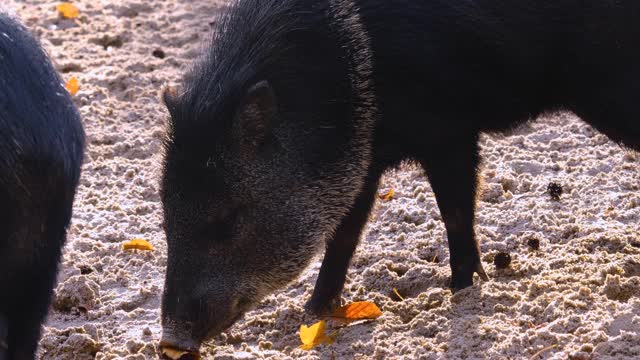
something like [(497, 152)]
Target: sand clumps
[(621, 289), (81, 343), (77, 292)]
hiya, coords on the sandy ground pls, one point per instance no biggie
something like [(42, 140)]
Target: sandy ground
[(578, 296)]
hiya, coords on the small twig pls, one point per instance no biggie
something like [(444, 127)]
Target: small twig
[(543, 350), (398, 294)]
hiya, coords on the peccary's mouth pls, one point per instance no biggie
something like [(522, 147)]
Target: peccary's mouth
[(178, 348), (225, 327), (172, 354), (173, 346), (231, 322)]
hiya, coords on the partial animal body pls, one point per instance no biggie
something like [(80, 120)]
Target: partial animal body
[(41, 147), (281, 132)]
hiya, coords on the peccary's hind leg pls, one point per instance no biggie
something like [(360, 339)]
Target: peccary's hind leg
[(340, 249), (453, 175)]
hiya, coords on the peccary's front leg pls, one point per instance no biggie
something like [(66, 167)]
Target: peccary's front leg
[(453, 177), (340, 249), (23, 333)]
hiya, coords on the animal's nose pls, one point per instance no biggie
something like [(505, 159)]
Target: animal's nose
[(174, 347)]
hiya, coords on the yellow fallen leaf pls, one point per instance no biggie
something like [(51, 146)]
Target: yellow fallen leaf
[(68, 10), (388, 195), (314, 335), (358, 311), (137, 244), (72, 85)]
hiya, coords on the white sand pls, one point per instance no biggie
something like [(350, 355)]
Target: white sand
[(579, 292)]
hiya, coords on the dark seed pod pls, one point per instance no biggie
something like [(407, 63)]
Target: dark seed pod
[(502, 260), (85, 269), (159, 53), (554, 190)]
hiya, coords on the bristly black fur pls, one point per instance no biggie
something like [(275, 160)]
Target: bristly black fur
[(360, 86), (262, 33), (41, 149)]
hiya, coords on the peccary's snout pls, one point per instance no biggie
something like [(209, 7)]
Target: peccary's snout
[(188, 321), (187, 335), (176, 340)]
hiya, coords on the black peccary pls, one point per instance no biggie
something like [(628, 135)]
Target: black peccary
[(281, 132), (41, 147)]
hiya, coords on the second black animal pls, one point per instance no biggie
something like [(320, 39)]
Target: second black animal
[(41, 147)]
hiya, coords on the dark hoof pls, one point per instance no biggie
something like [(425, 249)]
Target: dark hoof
[(463, 277), (321, 307), (456, 284)]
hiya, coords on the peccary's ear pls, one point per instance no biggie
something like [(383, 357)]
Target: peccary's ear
[(257, 113), (170, 98)]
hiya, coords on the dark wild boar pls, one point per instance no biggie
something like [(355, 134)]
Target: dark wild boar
[(41, 146), (280, 133)]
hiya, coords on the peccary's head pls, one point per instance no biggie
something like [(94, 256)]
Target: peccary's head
[(260, 167), (246, 206)]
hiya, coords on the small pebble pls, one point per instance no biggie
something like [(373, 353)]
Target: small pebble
[(502, 260), (158, 53), (555, 190), (85, 269)]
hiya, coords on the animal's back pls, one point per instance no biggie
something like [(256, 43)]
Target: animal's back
[(446, 67), (38, 121)]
